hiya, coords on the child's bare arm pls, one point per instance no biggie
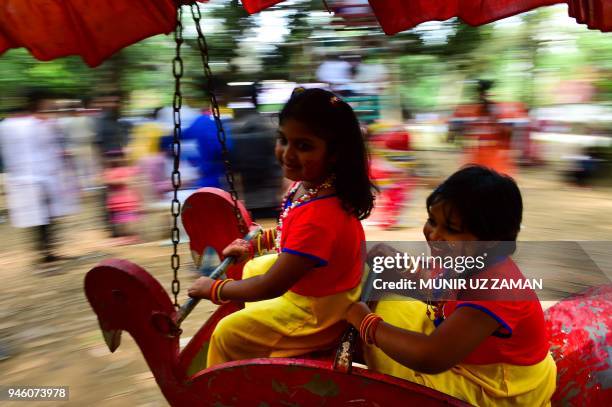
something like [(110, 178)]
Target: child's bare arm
[(449, 344), (287, 270)]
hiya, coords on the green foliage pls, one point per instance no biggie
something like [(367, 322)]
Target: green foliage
[(65, 77), (525, 58), (421, 80), (223, 44), (465, 40)]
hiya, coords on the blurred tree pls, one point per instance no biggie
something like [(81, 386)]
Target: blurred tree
[(527, 56), (234, 22), (421, 77), (596, 48), (434, 63), (283, 59), (465, 40), (65, 77)]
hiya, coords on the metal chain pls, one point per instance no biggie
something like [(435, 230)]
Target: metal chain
[(229, 175), (327, 7), (177, 102)]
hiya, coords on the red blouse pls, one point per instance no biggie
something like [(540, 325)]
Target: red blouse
[(322, 230), (521, 338)]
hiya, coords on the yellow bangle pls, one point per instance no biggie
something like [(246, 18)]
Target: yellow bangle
[(259, 245)]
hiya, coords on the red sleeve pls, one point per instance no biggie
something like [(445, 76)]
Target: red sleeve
[(311, 234), (506, 313)]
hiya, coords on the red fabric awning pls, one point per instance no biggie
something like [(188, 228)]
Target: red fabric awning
[(596, 14), (399, 15), (95, 29)]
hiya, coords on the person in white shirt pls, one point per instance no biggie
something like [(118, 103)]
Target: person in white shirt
[(36, 182)]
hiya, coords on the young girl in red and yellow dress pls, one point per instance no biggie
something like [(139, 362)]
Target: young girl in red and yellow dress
[(296, 299), (484, 347)]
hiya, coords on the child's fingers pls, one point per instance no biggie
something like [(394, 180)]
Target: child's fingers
[(238, 248), (200, 288), (235, 251), (381, 250)]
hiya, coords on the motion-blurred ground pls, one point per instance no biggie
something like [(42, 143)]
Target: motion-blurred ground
[(50, 334)]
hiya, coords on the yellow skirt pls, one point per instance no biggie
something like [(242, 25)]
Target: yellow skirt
[(287, 326), (498, 384)]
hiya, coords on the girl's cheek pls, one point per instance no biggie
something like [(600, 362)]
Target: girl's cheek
[(278, 152), (426, 230), (312, 164)]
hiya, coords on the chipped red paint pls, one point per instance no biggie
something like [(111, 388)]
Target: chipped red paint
[(580, 330)]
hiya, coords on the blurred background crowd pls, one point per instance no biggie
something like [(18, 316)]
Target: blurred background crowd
[(533, 90)]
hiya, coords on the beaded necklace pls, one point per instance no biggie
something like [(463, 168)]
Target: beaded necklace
[(310, 194)]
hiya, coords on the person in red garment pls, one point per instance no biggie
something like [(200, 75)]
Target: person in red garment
[(487, 138), (123, 201), (486, 347), (390, 164)]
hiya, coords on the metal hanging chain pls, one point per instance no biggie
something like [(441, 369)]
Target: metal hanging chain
[(229, 175), (327, 7), (177, 102)]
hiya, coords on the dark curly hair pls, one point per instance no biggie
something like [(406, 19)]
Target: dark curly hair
[(489, 204)]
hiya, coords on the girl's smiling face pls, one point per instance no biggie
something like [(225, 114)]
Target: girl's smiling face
[(302, 155), (444, 231)]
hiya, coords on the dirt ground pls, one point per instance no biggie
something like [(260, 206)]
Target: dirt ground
[(50, 335)]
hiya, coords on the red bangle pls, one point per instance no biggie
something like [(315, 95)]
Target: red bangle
[(273, 238), (367, 328), (366, 331), (371, 334), (270, 239), (266, 236), (364, 324), (213, 292)]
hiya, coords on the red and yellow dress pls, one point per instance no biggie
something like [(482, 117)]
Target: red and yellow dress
[(488, 139), (310, 316), (511, 367)]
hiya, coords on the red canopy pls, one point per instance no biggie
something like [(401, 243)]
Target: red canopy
[(399, 15), (95, 29)]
